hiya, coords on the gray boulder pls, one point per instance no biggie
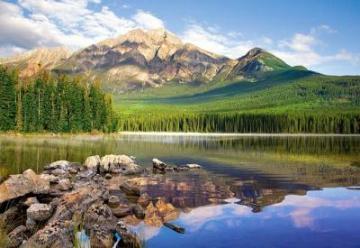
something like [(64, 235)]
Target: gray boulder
[(39, 212), (51, 178), (159, 165), (139, 212), (122, 210), (99, 214), (58, 172), (31, 224), (129, 189), (22, 184), (64, 184), (193, 166), (113, 201), (60, 164), (119, 164), (92, 162)]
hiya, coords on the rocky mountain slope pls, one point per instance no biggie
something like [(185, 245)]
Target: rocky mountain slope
[(30, 63), (147, 58)]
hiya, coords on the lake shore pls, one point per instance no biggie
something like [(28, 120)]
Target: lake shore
[(97, 200), (239, 134), (183, 134)]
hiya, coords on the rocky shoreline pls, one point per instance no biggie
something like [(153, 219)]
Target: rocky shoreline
[(90, 203)]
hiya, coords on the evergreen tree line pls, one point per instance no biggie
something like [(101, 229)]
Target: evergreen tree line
[(56, 105), (245, 123)]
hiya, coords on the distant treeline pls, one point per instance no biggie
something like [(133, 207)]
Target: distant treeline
[(245, 123), (53, 104)]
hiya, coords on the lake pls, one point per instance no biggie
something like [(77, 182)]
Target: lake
[(253, 191)]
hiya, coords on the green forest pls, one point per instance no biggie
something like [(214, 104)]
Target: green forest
[(245, 123), (52, 104), (289, 102)]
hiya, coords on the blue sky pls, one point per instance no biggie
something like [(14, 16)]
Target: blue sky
[(323, 35)]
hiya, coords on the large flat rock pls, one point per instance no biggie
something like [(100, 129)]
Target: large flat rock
[(21, 184)]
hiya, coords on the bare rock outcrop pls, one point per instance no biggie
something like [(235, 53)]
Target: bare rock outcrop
[(119, 164), (92, 162), (39, 211), (22, 184), (159, 165)]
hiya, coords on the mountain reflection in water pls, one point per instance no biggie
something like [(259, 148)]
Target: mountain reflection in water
[(319, 219), (251, 191)]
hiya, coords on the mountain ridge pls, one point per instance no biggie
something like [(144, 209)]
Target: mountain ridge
[(149, 58)]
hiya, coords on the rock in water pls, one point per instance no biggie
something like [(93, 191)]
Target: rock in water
[(120, 164), (122, 210), (129, 189), (92, 162), (174, 227), (60, 164), (99, 220), (139, 211), (39, 211), (22, 184), (100, 214), (113, 201), (159, 165), (193, 166)]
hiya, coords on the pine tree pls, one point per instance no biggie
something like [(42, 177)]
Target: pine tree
[(7, 99)]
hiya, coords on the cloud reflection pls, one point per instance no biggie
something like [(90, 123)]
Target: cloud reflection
[(201, 216), (304, 206)]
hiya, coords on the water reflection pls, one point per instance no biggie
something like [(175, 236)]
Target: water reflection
[(282, 191), (318, 219), (19, 153)]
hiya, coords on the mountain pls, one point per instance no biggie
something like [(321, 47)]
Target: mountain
[(30, 63), (141, 58), (145, 58), (258, 61)]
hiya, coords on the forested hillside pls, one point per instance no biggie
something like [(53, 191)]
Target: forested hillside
[(53, 104), (290, 102), (160, 83)]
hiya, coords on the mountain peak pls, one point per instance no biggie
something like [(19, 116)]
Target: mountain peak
[(256, 61), (254, 52), (148, 58), (148, 37)]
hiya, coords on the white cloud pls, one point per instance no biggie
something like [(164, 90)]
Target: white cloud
[(300, 49), (300, 43), (323, 28), (212, 40), (147, 21), (35, 23)]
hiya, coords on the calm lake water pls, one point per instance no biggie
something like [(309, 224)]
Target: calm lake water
[(251, 192)]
